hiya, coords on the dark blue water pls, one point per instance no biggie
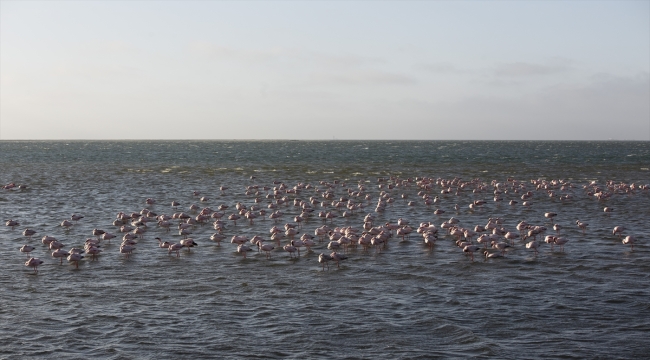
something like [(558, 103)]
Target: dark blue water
[(406, 302)]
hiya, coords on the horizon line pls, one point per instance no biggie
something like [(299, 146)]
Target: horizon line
[(304, 140)]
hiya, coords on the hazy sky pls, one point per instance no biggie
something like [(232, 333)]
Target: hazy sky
[(555, 70)]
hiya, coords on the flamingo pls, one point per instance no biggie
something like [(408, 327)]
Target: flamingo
[(324, 259), (561, 241), (66, 224), (334, 245), (93, 251), (188, 243), (29, 233), (290, 249), (250, 216), (55, 245), (243, 249), (139, 232), (336, 257), (582, 225), (237, 239), (184, 232), (511, 236), (12, 224), (307, 242), (501, 246), (297, 244), (376, 241), (128, 238), (75, 257), (216, 237), (76, 251), (629, 240), (60, 253), (470, 249), (533, 245), (365, 240), (430, 240), (267, 248), (550, 216), (26, 249), (618, 230), (234, 218), (550, 239), (98, 233), (492, 255), (163, 244), (290, 233), (175, 247), (127, 249), (34, 262), (108, 236), (484, 239)]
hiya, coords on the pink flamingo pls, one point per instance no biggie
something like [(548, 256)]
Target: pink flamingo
[(29, 233), (26, 249), (267, 248), (34, 262), (618, 230), (533, 245), (629, 240), (290, 249), (60, 253), (175, 247), (188, 243), (336, 257), (243, 249), (12, 224), (74, 257), (561, 241), (471, 249), (127, 249)]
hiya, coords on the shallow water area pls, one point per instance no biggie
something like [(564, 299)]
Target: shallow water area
[(408, 301)]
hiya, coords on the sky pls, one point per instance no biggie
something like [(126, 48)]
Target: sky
[(311, 70)]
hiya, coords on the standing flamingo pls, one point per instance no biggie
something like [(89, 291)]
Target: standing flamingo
[(75, 257), (324, 259), (34, 262), (629, 240), (26, 249)]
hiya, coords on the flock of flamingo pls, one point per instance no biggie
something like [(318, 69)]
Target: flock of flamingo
[(493, 239)]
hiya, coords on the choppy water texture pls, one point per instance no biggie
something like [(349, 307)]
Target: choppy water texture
[(591, 301)]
